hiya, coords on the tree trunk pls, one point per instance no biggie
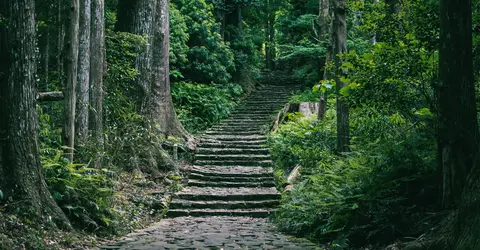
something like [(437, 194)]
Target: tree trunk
[(143, 24), (71, 83), (457, 114), (21, 178), (140, 22), (325, 24), (160, 108), (458, 134), (60, 42), (339, 39), (97, 50), (83, 76)]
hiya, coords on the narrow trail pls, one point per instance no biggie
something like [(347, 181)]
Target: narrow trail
[(231, 190)]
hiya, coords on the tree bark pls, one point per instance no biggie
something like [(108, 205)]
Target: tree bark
[(21, 178), (325, 24), (60, 41), (161, 109), (140, 22), (339, 39), (69, 105), (83, 77), (457, 114), (97, 50), (151, 19), (458, 135)]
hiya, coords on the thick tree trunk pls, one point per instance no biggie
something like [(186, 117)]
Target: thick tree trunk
[(339, 39), (457, 114), (161, 109), (97, 50), (151, 19), (140, 21), (143, 24), (21, 177), (71, 83), (83, 76)]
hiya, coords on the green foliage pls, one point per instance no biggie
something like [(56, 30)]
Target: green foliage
[(84, 194), (383, 189), (199, 106), (178, 43), (355, 198), (210, 60), (299, 47), (304, 96), (248, 58)]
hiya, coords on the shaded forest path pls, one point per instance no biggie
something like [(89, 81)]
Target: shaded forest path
[(231, 189)]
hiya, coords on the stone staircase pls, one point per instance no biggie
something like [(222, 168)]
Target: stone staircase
[(232, 174)]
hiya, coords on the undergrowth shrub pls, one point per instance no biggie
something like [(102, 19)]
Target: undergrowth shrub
[(84, 194), (198, 106), (378, 192)]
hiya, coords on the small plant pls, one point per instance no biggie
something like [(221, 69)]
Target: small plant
[(84, 194)]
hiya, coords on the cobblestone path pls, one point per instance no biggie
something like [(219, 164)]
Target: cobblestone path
[(231, 190)]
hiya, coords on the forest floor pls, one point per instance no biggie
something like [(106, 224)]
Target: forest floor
[(213, 232)]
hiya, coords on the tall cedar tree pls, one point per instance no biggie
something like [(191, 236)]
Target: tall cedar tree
[(97, 60), (324, 17), (457, 114), (339, 46), (458, 126), (21, 177), (69, 106), (151, 19), (83, 77)]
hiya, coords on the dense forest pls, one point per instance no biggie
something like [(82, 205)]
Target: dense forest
[(105, 104)]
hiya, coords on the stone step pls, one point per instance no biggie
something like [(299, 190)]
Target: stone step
[(233, 142), (257, 213), (230, 145), (232, 151), (246, 124), (252, 115), (218, 178), (259, 108), (200, 183), (234, 126), (232, 171), (247, 120), (186, 204), (265, 163), (233, 132), (228, 194), (252, 129), (243, 157)]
